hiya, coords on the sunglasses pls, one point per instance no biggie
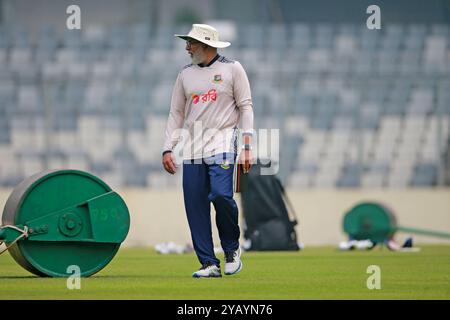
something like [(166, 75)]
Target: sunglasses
[(191, 42)]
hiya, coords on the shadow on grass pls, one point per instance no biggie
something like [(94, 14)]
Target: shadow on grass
[(92, 277), (133, 277), (20, 277)]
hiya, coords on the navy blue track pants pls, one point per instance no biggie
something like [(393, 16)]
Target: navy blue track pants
[(211, 181)]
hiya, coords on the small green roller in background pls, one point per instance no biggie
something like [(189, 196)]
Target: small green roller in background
[(375, 222), (60, 218)]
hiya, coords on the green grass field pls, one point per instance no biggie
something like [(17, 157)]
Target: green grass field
[(314, 273)]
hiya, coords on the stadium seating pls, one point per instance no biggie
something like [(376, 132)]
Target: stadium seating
[(355, 107)]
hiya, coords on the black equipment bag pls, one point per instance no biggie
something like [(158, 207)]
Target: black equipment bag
[(268, 225)]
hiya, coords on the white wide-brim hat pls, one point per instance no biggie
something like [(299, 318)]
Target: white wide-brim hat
[(205, 34)]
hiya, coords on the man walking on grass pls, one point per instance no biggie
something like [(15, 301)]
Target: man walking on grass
[(211, 99)]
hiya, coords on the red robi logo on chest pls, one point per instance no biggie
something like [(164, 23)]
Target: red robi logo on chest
[(211, 95)]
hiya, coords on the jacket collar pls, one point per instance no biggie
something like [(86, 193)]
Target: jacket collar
[(201, 65)]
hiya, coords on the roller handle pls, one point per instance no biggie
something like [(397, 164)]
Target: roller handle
[(425, 232)]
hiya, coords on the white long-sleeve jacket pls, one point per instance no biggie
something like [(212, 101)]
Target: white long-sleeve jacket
[(209, 103)]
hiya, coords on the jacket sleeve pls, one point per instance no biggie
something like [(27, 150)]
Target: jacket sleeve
[(243, 98), (176, 115)]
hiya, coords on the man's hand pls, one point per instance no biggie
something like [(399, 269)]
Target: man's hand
[(246, 159), (168, 163)]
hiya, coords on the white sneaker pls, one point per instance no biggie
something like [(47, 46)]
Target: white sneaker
[(233, 263), (208, 270)]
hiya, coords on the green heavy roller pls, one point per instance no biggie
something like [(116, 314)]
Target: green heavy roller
[(60, 218), (377, 223)]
